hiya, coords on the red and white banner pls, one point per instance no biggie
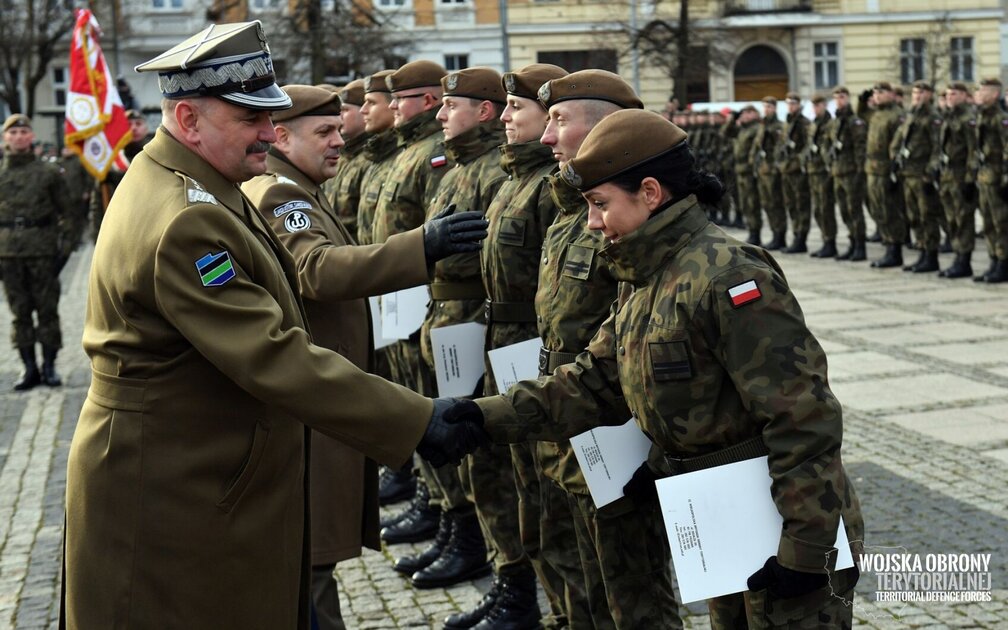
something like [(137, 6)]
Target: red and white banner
[(96, 127)]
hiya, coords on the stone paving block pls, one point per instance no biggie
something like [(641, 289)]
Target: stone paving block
[(862, 363), (875, 318), (979, 425), (816, 304), (993, 352), (1000, 454), (929, 333), (920, 390)]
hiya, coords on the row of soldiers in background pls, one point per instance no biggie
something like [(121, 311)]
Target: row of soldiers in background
[(920, 171)]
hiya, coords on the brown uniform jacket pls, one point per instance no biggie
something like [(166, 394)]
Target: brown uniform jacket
[(185, 484), (334, 281)]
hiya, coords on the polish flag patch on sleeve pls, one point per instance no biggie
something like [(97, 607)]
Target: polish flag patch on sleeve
[(742, 294), (438, 161)]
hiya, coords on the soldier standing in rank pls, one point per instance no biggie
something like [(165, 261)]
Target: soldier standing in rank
[(791, 156), (991, 162), (820, 180), (345, 186), (847, 139), (913, 151), (38, 231), (769, 135), (334, 278), (743, 127), (957, 182), (883, 202), (80, 186)]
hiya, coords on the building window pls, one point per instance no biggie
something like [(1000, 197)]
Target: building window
[(59, 84), (454, 1), (456, 62), (391, 3), (575, 60), (961, 63), (826, 60), (264, 5), (911, 60), (166, 4)]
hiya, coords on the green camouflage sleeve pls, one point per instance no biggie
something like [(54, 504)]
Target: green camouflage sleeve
[(64, 206), (859, 134), (778, 369)]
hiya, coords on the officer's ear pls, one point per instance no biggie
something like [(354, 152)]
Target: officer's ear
[(282, 137), (488, 111), (652, 193), (186, 116)]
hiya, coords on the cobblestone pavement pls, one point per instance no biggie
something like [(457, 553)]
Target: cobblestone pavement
[(919, 363)]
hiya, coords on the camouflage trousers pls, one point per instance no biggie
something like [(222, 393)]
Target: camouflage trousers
[(559, 548), (994, 212), (747, 197), (33, 289), (797, 201), (771, 200), (823, 204), (828, 608), (959, 213), (886, 207), (922, 211), (850, 197), (630, 546)]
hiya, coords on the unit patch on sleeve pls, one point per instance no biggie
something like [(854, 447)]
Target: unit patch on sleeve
[(215, 269), (438, 161), (297, 204), (297, 221), (742, 294)]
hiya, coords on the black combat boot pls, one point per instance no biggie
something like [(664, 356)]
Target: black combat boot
[(420, 499), (798, 245), (408, 565), (517, 607), (463, 558), (960, 267), (415, 527), (396, 485), (49, 375), (927, 263), (1000, 273), (753, 238), (893, 257), (859, 252), (983, 277), (847, 254), (946, 245), (30, 377), (828, 249), (876, 237), (777, 242), (469, 618), (739, 222), (920, 259)]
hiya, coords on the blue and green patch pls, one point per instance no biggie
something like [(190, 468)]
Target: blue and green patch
[(215, 269)]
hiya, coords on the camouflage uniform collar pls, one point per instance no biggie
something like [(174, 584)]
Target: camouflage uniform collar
[(635, 257), (278, 164), (567, 198), (17, 160), (355, 146), (520, 159), (471, 144), (769, 120), (823, 118), (173, 155), (381, 145), (924, 109), (845, 112), (418, 128), (961, 109)]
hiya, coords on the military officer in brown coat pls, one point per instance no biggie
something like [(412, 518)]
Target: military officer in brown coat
[(186, 476)]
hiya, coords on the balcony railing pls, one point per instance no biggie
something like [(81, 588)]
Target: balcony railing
[(745, 7)]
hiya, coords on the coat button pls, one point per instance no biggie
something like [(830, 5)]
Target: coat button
[(545, 260), (622, 351)]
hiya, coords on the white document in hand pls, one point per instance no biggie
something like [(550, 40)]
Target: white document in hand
[(376, 328), (458, 358), (517, 362), (609, 456), (402, 312), (722, 526)]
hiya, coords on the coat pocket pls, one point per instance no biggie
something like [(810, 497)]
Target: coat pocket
[(248, 469)]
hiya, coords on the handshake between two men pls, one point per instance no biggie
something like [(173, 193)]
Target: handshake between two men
[(455, 430)]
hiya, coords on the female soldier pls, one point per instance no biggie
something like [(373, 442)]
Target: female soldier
[(708, 348)]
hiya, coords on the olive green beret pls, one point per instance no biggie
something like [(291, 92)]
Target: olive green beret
[(309, 100), (415, 74), (480, 83), (329, 86), (793, 96), (622, 141), (818, 98), (883, 86), (958, 85), (749, 108), (17, 120), (134, 114), (769, 100), (898, 90), (596, 85), (841, 89), (353, 93), (376, 82), (923, 85), (991, 81), (526, 82)]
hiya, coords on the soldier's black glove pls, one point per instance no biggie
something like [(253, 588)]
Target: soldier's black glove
[(447, 234), (1004, 187), (455, 430), (641, 487), (784, 583), (969, 192)]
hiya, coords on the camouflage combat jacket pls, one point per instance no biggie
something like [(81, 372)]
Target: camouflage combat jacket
[(884, 123), (380, 152), (36, 212), (457, 293), (344, 189), (792, 150), (711, 349), (847, 137), (745, 137), (414, 177), (769, 135), (818, 145), (519, 216), (913, 147), (957, 144), (991, 154)]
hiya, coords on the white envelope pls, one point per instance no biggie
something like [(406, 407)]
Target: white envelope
[(376, 327), (402, 312), (516, 362), (458, 358), (608, 457)]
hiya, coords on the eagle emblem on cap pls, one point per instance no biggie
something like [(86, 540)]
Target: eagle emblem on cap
[(509, 82), (569, 174), (452, 81), (367, 84), (544, 92)]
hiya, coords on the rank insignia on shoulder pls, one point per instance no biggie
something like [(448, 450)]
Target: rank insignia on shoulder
[(742, 294), (283, 179), (197, 194), (438, 161), (297, 221), (858, 122), (297, 204), (215, 269)]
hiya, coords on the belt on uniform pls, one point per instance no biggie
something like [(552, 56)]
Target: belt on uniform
[(19, 223), (550, 360), (753, 447), (447, 291), (510, 312)]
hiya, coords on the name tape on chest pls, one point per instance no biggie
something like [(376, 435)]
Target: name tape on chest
[(215, 269), (290, 206), (742, 294)]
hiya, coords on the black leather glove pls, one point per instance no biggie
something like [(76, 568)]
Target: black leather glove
[(448, 233), (455, 430), (969, 192), (784, 583), (641, 487)]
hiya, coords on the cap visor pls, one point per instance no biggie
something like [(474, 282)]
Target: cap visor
[(269, 98)]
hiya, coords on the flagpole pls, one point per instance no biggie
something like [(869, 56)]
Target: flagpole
[(115, 37)]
